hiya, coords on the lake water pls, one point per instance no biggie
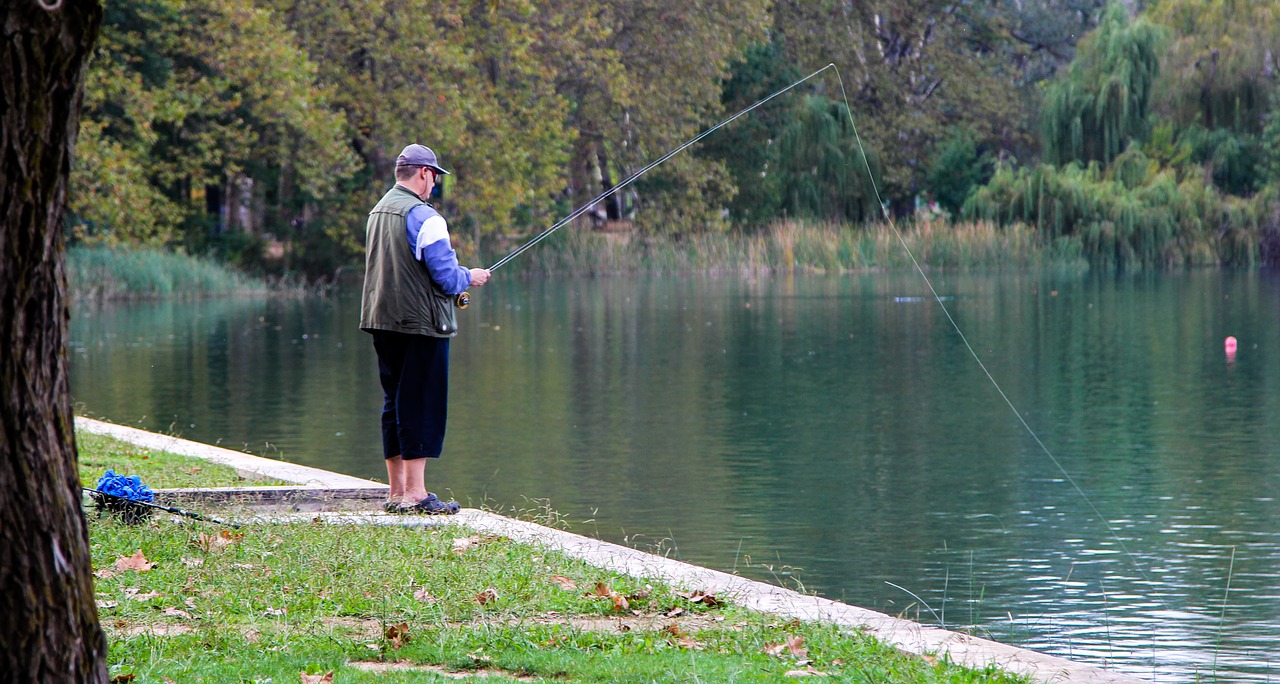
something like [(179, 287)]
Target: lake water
[(833, 433)]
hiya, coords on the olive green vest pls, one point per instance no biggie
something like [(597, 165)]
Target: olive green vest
[(399, 294)]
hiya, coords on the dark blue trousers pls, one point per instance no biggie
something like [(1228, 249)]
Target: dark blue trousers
[(414, 370)]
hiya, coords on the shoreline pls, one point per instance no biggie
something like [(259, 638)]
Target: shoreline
[(904, 635)]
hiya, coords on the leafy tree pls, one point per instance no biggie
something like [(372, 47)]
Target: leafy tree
[(956, 168), (1094, 111), (1220, 65), (913, 71), (183, 99), (48, 622), (821, 167)]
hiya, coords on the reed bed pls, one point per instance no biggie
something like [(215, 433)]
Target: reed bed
[(800, 246), (99, 273)]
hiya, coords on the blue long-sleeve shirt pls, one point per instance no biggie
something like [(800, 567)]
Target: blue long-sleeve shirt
[(429, 237)]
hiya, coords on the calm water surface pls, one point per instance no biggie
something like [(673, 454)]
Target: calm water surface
[(829, 432)]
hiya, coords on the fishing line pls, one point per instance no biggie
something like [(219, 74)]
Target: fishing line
[(888, 218), (464, 299)]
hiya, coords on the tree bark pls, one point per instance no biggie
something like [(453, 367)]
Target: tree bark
[(49, 629)]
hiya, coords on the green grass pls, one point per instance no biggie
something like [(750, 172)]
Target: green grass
[(270, 601), (105, 273), (99, 453)]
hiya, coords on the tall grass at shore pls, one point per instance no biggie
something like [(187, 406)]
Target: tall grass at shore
[(105, 273), (802, 246)]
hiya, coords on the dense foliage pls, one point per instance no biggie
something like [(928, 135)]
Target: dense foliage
[(262, 130)]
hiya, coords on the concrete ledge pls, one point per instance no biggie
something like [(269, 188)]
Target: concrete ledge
[(907, 636), (284, 498), (245, 464)]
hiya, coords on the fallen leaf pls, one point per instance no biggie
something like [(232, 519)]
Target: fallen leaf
[(706, 598), (221, 540), (194, 469), (564, 582), (107, 604), (176, 612), (192, 562), (190, 603), (808, 671), (603, 591), (795, 644), (642, 594), (276, 611), (133, 594), (463, 544), (487, 596), (123, 678), (675, 612), (325, 678), (105, 573), (424, 596), (136, 562), (397, 634), (688, 644)]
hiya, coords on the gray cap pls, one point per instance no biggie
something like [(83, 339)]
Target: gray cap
[(419, 155)]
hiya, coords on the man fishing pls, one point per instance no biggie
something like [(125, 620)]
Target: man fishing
[(410, 281)]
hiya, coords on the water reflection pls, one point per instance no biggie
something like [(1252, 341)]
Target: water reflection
[(832, 431)]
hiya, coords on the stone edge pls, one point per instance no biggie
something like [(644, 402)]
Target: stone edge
[(905, 635), (245, 464)]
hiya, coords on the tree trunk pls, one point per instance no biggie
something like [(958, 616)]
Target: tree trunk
[(49, 629)]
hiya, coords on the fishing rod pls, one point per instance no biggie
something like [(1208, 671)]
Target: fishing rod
[(168, 509), (464, 299)]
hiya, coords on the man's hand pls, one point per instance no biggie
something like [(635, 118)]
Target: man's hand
[(479, 276)]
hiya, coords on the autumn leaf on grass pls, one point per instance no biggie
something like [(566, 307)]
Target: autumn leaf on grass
[(464, 544), (424, 596), (487, 596), (275, 611), (808, 671), (136, 562), (326, 678), (221, 540), (793, 645), (706, 598), (123, 678), (136, 594), (105, 573), (397, 635), (106, 604), (176, 612), (603, 591), (564, 582)]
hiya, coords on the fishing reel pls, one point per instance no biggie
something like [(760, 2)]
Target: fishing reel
[(463, 300)]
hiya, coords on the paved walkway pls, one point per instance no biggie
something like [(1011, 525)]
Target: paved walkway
[(911, 637)]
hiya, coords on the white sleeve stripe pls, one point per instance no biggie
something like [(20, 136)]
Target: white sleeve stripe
[(433, 229)]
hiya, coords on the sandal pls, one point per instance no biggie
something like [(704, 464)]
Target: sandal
[(431, 505)]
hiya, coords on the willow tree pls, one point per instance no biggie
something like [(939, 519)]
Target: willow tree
[(1221, 65), (821, 167), (49, 629), (1104, 100)]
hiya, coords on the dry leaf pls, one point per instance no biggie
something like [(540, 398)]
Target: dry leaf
[(424, 596), (326, 678), (107, 604), (136, 562), (192, 562), (706, 598), (176, 612), (688, 644), (276, 611), (132, 593), (487, 596), (190, 603), (675, 612), (105, 573), (123, 678), (397, 634), (603, 591), (462, 544), (795, 644), (808, 671), (564, 582)]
